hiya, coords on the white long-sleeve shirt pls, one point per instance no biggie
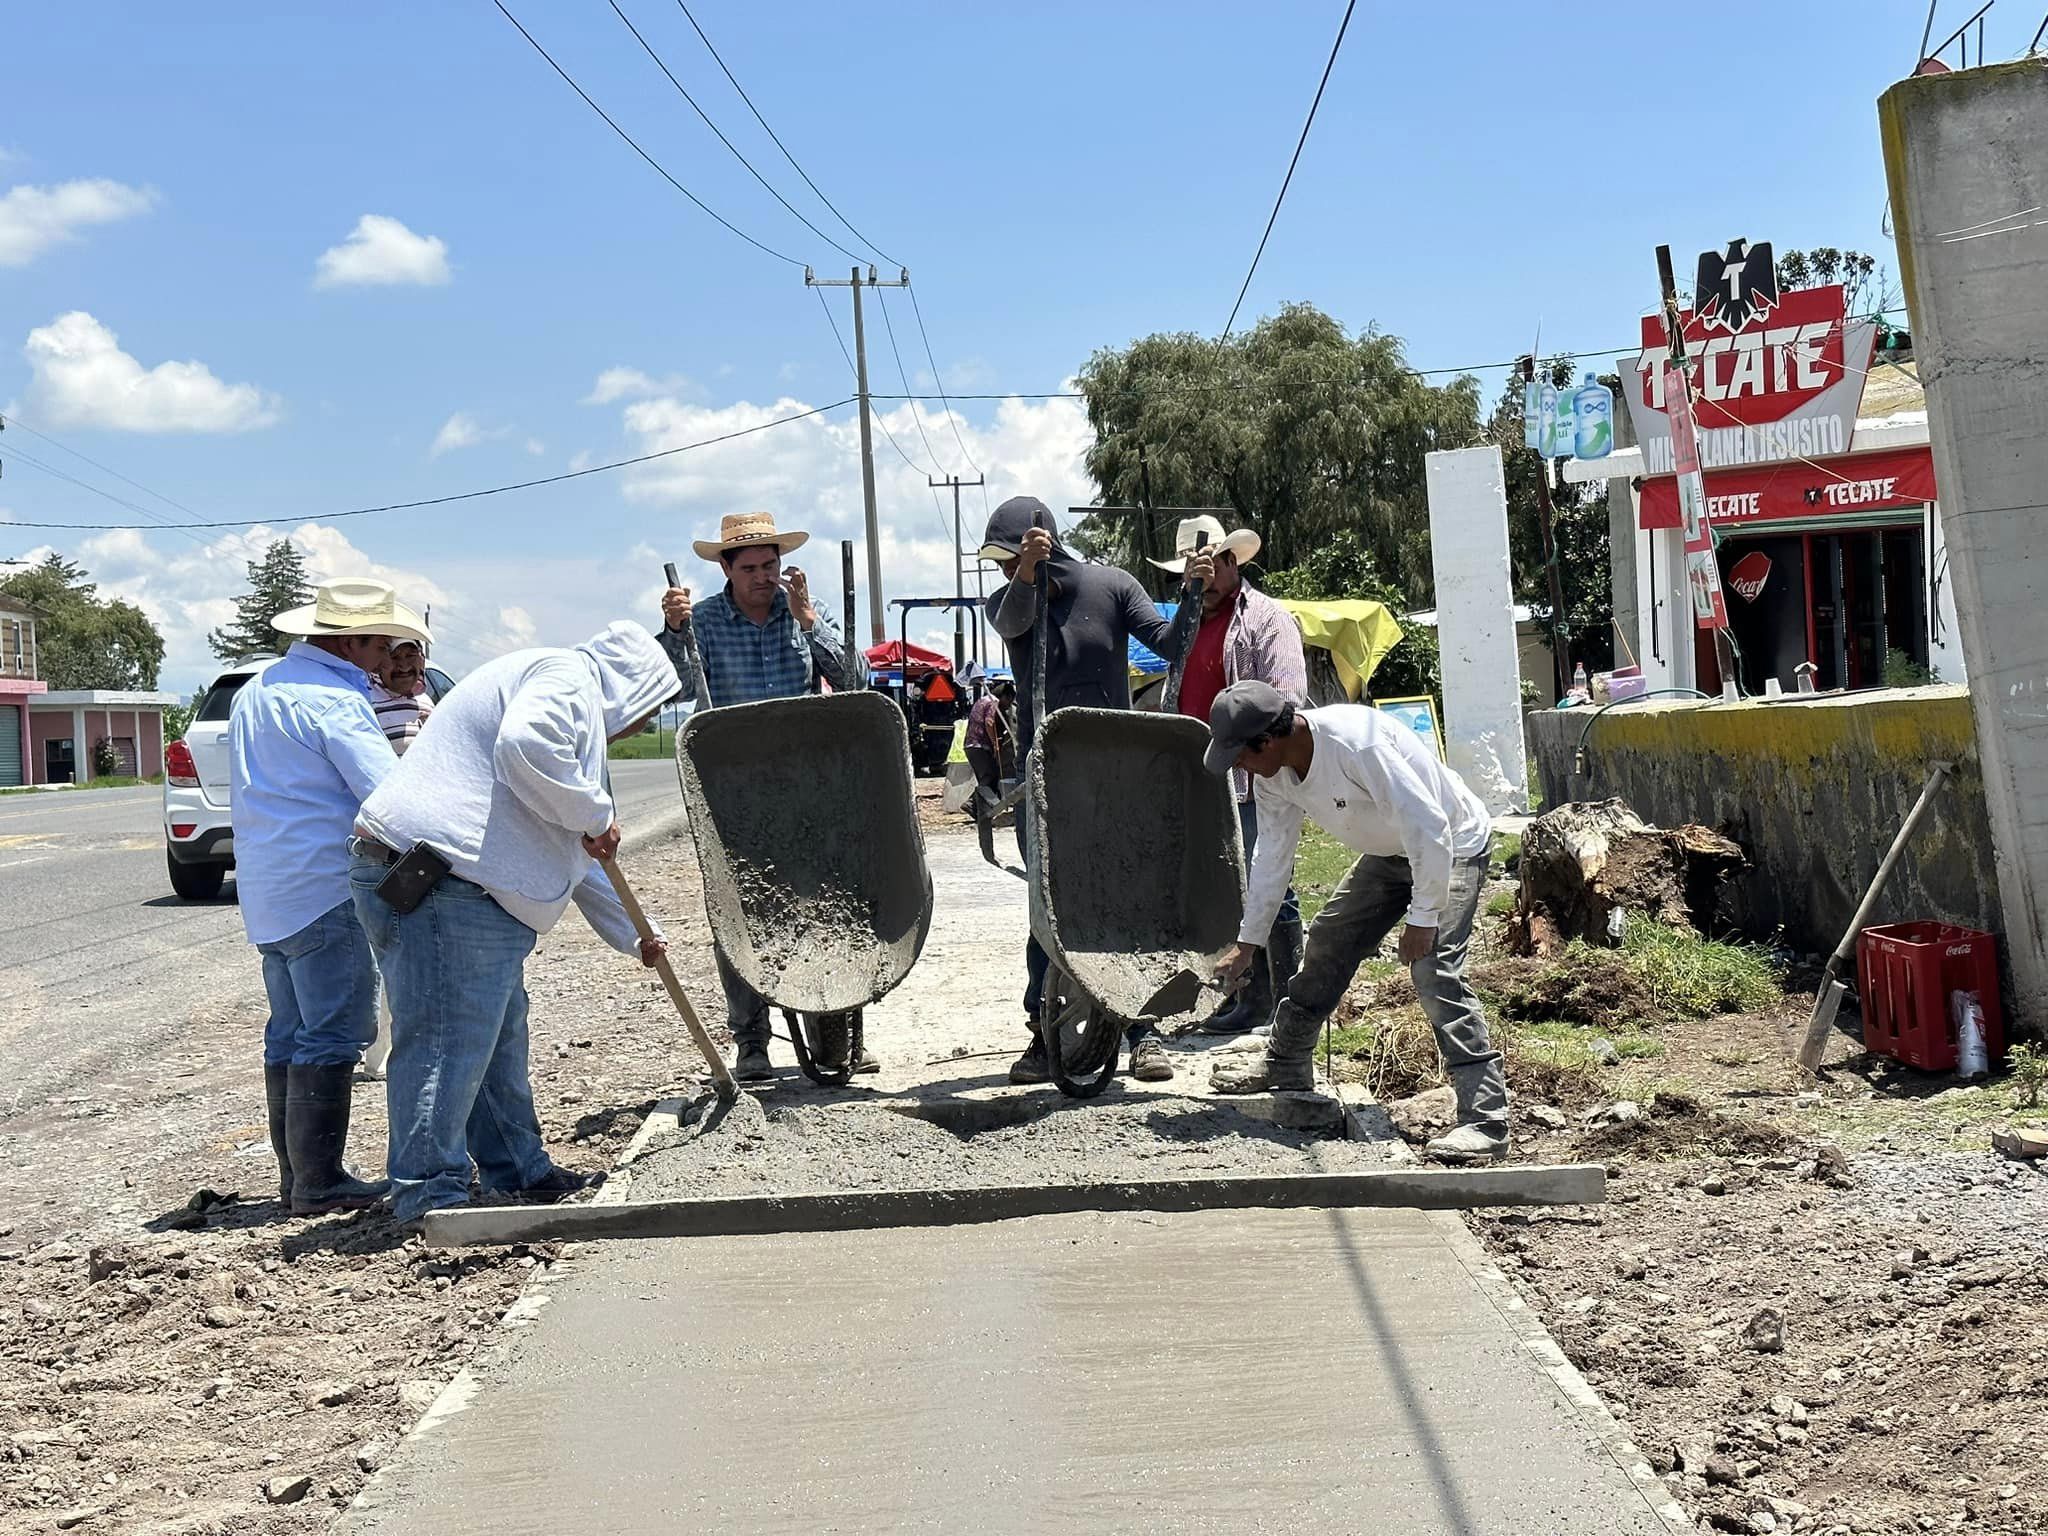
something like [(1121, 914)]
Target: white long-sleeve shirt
[(1375, 787), (511, 778)]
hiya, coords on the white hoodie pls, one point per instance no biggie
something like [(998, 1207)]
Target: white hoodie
[(511, 778)]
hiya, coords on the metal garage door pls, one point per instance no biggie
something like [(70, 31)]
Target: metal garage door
[(10, 745)]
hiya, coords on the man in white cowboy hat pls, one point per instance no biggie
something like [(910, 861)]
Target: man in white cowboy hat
[(304, 751), (1245, 636), (761, 637)]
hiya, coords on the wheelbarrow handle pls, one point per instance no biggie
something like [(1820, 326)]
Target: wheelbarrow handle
[(689, 634), (721, 1075), (1170, 702)]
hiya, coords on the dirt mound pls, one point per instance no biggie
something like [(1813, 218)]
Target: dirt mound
[(1598, 988), (1679, 1126)]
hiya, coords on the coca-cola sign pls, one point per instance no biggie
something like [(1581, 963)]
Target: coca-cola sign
[(1748, 575)]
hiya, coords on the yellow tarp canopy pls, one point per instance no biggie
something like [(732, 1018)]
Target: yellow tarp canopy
[(1356, 632)]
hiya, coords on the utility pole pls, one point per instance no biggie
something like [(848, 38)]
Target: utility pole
[(959, 574), (1560, 627), (877, 625)]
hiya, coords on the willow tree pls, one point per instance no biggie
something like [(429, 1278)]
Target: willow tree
[(1302, 429)]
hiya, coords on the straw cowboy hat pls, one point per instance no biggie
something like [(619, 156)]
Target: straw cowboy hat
[(1243, 543), (743, 530), (354, 605)]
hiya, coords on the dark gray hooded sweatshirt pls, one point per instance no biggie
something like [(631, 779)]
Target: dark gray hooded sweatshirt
[(1094, 611)]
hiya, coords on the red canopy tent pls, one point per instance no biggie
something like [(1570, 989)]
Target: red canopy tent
[(889, 656)]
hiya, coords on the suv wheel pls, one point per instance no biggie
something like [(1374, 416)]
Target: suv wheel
[(195, 882)]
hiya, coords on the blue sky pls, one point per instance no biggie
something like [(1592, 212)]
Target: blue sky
[(1057, 176)]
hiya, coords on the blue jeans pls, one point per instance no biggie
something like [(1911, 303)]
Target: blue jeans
[(322, 988), (457, 1085), (1248, 824)]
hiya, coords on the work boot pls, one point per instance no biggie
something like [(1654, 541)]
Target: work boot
[(558, 1184), (1289, 1065), (1283, 959), (1032, 1066), (1149, 1063), (1480, 1142), (866, 1063), (1233, 1016), (276, 1084), (316, 1132), (750, 1064)]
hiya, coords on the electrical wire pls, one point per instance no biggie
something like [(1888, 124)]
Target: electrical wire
[(1288, 180), (926, 474), (940, 384), (882, 296), (660, 169), (728, 143), (16, 421), (495, 490), (863, 239), (159, 521)]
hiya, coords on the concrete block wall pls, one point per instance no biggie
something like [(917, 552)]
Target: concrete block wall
[(1812, 789)]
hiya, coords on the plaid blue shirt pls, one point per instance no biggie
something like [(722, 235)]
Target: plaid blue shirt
[(745, 662)]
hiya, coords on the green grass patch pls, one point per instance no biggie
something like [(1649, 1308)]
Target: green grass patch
[(1507, 850), (1500, 903), (644, 745), (1696, 977), (1319, 863)]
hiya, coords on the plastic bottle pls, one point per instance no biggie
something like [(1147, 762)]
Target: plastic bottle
[(1592, 420), (1580, 690), (1973, 1059)]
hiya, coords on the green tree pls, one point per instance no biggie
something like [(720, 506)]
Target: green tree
[(84, 640), (276, 582), (1302, 429), (1342, 568)]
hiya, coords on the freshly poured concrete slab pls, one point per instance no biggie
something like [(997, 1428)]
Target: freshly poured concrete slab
[(1237, 1371)]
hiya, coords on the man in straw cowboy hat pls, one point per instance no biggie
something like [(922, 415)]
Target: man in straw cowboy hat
[(761, 637), (1245, 635), (304, 751)]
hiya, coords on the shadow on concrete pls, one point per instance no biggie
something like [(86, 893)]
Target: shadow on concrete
[(1451, 1506)]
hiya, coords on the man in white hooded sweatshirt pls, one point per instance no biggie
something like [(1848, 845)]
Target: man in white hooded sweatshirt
[(509, 790)]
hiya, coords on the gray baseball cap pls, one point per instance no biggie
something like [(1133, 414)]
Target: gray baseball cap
[(1242, 712)]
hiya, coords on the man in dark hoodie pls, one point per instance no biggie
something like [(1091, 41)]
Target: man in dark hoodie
[(1093, 611)]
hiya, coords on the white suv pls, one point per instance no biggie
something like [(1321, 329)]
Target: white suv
[(199, 835)]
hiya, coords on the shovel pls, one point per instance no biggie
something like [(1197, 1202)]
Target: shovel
[(721, 1075)]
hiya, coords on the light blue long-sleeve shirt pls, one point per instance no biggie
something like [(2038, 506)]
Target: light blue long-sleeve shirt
[(304, 753)]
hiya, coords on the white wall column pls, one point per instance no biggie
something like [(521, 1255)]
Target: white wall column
[(1475, 625)]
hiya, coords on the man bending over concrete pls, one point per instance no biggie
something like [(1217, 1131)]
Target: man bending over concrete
[(507, 793), (1423, 841)]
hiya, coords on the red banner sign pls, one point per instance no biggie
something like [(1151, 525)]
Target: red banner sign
[(1748, 575), (1863, 482)]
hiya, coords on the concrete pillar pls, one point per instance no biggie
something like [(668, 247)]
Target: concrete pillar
[(1622, 544), (1475, 625), (1967, 158)]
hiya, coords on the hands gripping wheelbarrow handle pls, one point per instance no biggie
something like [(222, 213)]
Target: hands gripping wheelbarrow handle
[(721, 1075), (689, 634), (1170, 703)]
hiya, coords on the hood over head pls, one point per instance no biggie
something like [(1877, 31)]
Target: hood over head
[(1009, 522), (633, 673)]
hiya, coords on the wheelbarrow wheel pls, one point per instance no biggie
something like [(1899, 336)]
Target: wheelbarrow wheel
[(1080, 1039), (820, 1038)]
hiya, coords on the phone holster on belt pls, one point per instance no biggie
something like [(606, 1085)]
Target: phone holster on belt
[(411, 876)]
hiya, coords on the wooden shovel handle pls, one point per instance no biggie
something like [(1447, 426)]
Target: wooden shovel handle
[(721, 1075)]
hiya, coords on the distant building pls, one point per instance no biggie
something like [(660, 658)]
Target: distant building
[(49, 738)]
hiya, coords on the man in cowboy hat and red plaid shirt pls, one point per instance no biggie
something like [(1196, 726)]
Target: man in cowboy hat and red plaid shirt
[(1245, 636), (760, 637)]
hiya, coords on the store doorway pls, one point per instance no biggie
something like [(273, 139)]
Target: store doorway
[(1851, 600)]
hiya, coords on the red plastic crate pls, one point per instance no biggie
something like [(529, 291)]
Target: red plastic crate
[(1904, 975)]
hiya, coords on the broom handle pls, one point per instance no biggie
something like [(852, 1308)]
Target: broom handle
[(721, 1075)]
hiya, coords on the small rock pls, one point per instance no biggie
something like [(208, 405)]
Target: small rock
[(102, 1262), (222, 1317), (1791, 1434), (72, 1518), (1713, 1186), (416, 1397), (1631, 1266), (1766, 1332), (1831, 1167), (1603, 1052), (288, 1490), (1763, 1522), (1721, 1472), (369, 1456), (1548, 1116), (331, 1394), (1902, 1265), (1423, 1115), (1810, 1099)]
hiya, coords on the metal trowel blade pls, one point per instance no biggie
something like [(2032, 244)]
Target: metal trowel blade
[(1177, 996)]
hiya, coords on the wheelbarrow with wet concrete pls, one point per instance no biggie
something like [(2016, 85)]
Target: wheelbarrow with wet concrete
[(815, 882)]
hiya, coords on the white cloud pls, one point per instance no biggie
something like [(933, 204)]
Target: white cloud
[(82, 378), (631, 384), (32, 219), (536, 447), (582, 459), (382, 250), (463, 430)]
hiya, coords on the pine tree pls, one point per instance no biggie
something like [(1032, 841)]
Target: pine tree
[(276, 582)]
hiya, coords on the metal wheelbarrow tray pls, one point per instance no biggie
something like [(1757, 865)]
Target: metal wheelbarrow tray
[(815, 881), (1136, 875)]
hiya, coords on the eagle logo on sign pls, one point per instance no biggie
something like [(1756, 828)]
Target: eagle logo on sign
[(1736, 286)]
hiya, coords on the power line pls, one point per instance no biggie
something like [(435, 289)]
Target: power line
[(635, 143), (1288, 180), (940, 384), (864, 240), (495, 490), (159, 522), (878, 421), (728, 143), (16, 421), (890, 326)]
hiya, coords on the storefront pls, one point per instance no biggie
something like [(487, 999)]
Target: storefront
[(1820, 498)]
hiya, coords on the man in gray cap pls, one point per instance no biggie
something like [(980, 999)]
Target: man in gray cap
[(1423, 840), (1092, 612)]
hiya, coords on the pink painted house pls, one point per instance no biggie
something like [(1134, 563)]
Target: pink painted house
[(18, 684), (48, 738)]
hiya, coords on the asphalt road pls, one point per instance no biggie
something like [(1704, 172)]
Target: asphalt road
[(123, 1006)]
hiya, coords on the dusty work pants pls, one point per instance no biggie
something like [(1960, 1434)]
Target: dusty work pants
[(1367, 904), (746, 1011)]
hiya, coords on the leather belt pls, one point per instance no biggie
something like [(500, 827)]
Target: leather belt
[(370, 848)]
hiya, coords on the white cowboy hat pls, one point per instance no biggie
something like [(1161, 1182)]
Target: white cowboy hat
[(740, 530), (354, 605), (1243, 543)]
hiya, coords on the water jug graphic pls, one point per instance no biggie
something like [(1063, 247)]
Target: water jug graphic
[(1592, 417), (1535, 430), (1557, 422)]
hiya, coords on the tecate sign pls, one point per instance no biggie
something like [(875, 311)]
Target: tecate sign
[(1775, 376)]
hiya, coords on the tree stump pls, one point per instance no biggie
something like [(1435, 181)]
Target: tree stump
[(1585, 866)]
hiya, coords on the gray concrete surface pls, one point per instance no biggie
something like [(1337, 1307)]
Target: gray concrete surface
[(1966, 155), (1225, 1372), (129, 1015)]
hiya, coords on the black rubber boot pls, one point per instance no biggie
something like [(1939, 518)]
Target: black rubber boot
[(1283, 959), (276, 1082), (316, 1131)]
